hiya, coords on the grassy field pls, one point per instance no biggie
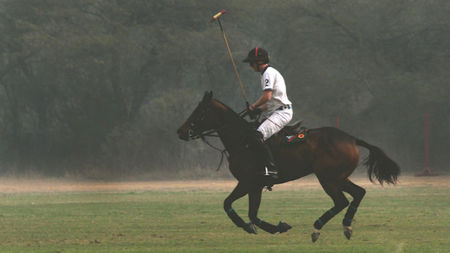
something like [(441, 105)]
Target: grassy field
[(188, 217)]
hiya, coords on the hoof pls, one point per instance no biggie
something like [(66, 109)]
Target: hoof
[(348, 232), (283, 227), (315, 235), (250, 228)]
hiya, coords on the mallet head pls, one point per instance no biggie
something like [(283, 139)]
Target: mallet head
[(217, 16)]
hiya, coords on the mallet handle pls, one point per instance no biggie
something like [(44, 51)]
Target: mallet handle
[(233, 63), (214, 18)]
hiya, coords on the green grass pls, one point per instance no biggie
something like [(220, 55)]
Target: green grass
[(394, 219)]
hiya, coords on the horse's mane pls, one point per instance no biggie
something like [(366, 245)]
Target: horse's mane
[(231, 111)]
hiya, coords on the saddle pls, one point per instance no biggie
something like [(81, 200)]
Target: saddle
[(293, 134), (290, 134), (291, 129)]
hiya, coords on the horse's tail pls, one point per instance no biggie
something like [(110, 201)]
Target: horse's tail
[(379, 164)]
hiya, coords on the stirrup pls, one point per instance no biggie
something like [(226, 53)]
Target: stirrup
[(268, 172), (272, 174)]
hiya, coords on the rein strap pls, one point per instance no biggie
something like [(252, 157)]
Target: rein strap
[(224, 152)]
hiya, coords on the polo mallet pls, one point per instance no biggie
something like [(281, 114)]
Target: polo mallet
[(217, 17)]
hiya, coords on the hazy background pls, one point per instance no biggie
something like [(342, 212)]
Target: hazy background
[(97, 88)]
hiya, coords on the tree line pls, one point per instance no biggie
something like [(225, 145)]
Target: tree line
[(100, 87)]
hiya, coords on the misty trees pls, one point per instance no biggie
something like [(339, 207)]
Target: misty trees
[(63, 81), (104, 84)]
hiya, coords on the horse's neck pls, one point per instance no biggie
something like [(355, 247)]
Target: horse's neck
[(233, 133)]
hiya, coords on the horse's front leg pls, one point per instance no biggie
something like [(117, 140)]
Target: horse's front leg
[(254, 203), (239, 191)]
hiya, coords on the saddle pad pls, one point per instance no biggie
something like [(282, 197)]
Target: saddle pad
[(300, 137)]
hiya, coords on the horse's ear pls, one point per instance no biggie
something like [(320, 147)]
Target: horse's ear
[(208, 96)]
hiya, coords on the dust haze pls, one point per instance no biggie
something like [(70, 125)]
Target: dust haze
[(59, 185)]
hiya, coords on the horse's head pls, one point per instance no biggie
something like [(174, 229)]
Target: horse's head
[(201, 120)]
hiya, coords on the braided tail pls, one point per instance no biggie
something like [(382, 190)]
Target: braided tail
[(379, 164)]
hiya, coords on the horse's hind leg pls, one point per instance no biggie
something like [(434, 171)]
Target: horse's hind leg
[(357, 193), (254, 201), (334, 190)]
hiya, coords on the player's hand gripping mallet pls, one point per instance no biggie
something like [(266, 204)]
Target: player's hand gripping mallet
[(217, 17)]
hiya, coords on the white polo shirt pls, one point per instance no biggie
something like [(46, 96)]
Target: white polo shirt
[(272, 80)]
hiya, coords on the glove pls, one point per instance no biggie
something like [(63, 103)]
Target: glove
[(254, 114)]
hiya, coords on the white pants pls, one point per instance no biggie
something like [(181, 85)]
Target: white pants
[(275, 122)]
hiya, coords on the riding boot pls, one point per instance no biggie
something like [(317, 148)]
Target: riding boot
[(264, 150)]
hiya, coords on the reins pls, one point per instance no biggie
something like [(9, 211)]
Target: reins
[(223, 152)]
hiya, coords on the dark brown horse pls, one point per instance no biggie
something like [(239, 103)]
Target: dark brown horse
[(331, 154)]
